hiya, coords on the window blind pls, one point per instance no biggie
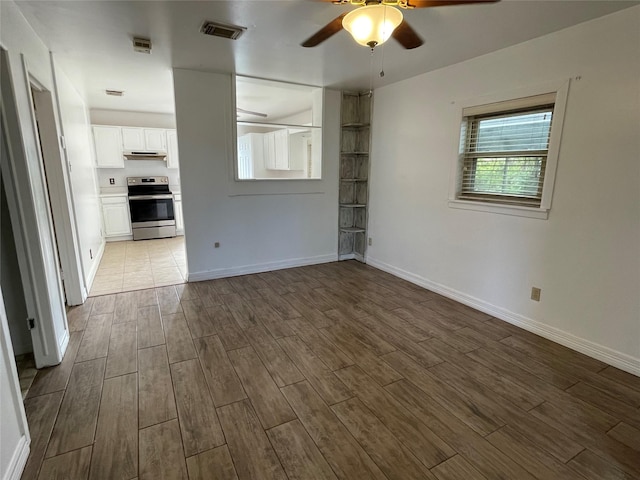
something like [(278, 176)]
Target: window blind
[(504, 153)]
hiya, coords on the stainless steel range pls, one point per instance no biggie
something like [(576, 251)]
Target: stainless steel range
[(151, 207)]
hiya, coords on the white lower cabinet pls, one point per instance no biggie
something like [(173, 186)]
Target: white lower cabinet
[(177, 210), (115, 215)]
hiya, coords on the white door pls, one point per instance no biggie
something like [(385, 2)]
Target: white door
[(132, 139)]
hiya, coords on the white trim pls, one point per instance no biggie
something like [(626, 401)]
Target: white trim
[(261, 267), (19, 459), (118, 238), (94, 268), (600, 352), (519, 210)]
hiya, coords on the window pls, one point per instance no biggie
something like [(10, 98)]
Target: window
[(279, 130), (508, 153)]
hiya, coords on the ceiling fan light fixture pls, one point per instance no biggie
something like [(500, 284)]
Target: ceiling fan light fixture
[(372, 25)]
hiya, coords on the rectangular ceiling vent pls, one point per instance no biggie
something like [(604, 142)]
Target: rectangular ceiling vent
[(114, 93), (142, 45), (216, 29)]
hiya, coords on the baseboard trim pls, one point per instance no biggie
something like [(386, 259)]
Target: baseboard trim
[(94, 268), (18, 460), (260, 267), (600, 352)]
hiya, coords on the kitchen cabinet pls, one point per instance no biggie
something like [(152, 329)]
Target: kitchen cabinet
[(283, 151), (132, 139), (172, 149), (177, 211), (107, 142), (143, 139), (154, 139), (115, 215)]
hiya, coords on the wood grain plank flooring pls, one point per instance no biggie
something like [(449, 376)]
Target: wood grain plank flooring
[(248, 443), (215, 463), (68, 466), (298, 453), (115, 452), (393, 458), (271, 407), (327, 371), (340, 449), (95, 340), (78, 415), (179, 343), (161, 452), (196, 412), (122, 356), (224, 384), (156, 399)]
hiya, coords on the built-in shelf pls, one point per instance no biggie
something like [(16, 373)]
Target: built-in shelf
[(354, 173)]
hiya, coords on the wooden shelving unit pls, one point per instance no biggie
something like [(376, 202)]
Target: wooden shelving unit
[(354, 175)]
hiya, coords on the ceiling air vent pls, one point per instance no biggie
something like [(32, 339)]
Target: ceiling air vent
[(142, 45), (114, 93), (216, 29)]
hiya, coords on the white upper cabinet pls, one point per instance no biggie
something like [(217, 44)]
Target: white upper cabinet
[(133, 139), (143, 139), (154, 139), (108, 147), (172, 149)]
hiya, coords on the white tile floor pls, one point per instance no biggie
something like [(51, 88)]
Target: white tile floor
[(127, 266)]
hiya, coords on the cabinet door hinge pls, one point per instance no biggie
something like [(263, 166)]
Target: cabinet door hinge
[(31, 323), (63, 143)]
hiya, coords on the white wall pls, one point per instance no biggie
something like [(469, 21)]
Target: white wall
[(25, 48), (260, 225), (84, 191), (586, 256)]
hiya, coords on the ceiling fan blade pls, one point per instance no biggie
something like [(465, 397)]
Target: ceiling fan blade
[(249, 112), (441, 3), (330, 29), (407, 36)]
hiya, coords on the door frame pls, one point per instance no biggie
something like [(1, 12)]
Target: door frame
[(57, 181), (28, 202)]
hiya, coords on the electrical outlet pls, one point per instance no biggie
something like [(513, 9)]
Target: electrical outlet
[(535, 294), (216, 245), (370, 241), (112, 181)]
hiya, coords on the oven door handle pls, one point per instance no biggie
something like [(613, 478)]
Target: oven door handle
[(150, 197)]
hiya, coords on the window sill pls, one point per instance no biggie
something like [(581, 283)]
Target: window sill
[(531, 212)]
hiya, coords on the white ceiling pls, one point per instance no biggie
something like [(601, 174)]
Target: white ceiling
[(92, 42)]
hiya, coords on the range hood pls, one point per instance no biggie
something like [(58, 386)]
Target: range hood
[(145, 155)]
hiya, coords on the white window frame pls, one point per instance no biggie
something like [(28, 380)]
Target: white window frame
[(491, 103)]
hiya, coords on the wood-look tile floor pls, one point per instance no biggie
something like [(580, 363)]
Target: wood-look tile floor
[(322, 372)]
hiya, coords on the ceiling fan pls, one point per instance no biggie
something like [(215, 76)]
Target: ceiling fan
[(376, 20)]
